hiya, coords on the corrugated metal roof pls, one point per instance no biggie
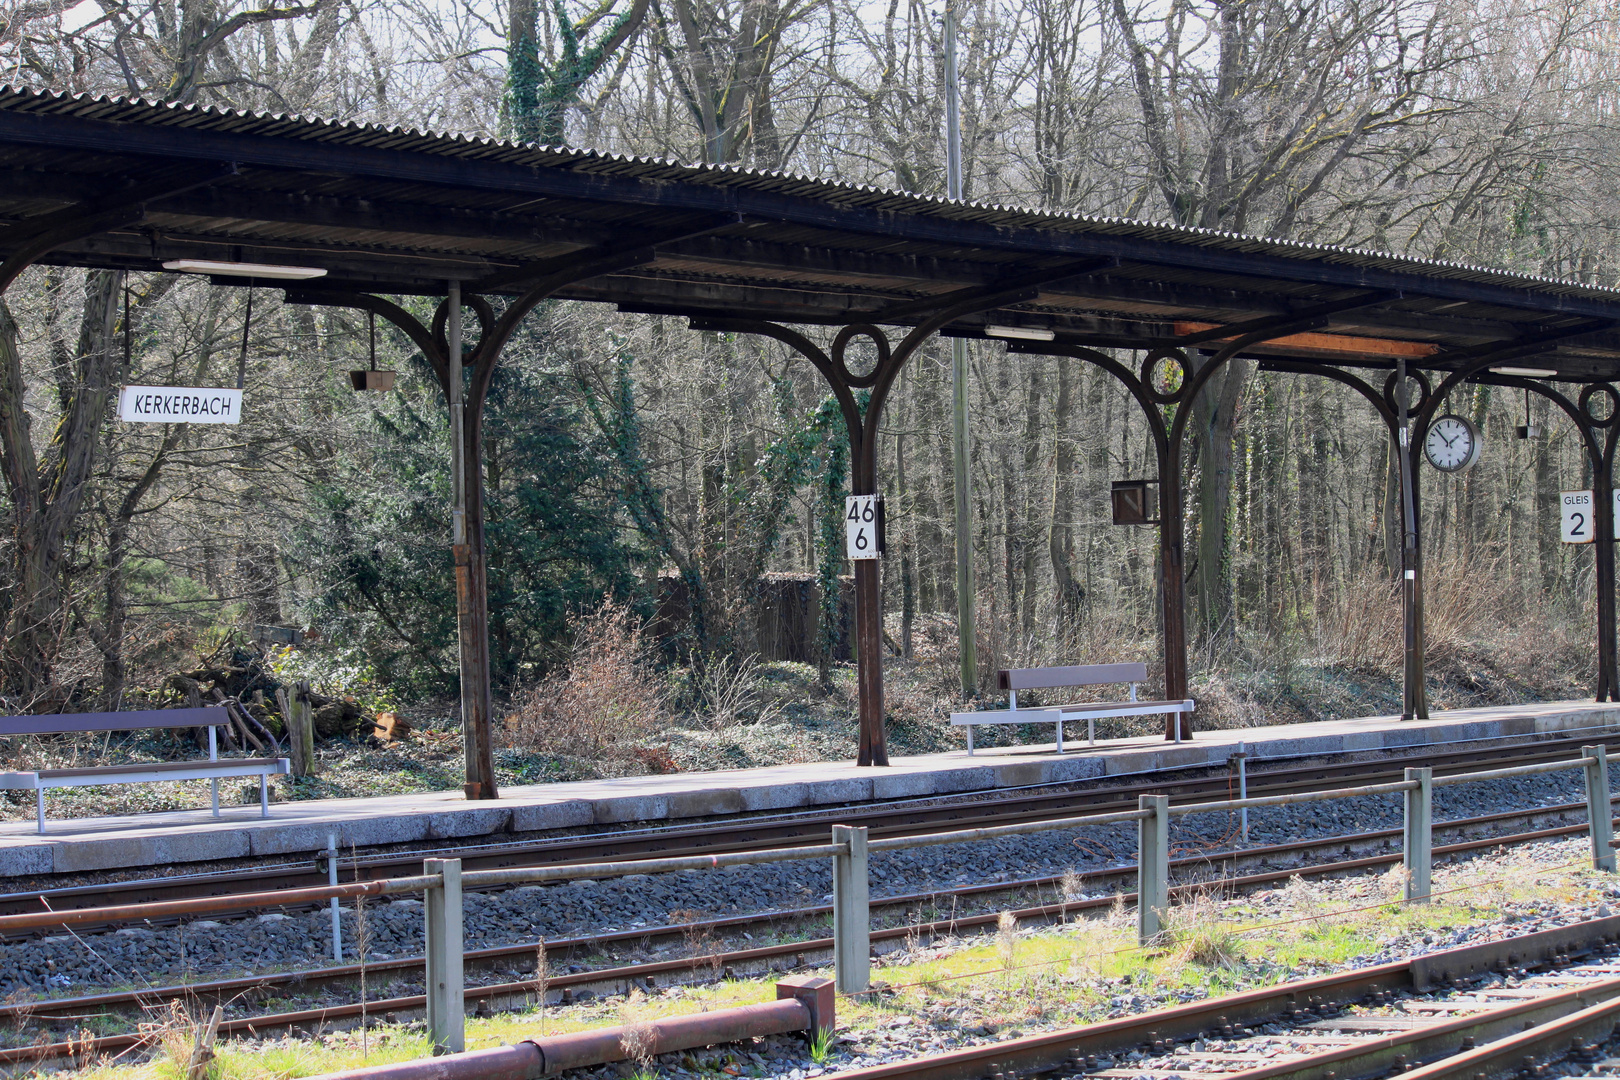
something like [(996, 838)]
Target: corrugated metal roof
[(315, 129)]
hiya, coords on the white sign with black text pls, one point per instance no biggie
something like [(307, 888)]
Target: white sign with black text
[(1575, 524), (863, 526), (180, 405)]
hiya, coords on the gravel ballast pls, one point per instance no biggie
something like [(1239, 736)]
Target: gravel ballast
[(70, 963)]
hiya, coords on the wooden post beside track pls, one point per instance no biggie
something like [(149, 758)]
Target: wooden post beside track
[(1599, 807), (1418, 835), (446, 1012), (1152, 867), (852, 925)]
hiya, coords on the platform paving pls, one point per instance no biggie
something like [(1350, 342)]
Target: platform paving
[(296, 829)]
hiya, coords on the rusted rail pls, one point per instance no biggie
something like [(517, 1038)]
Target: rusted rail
[(212, 905)]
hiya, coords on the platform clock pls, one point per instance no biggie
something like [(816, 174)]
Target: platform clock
[(1452, 444)]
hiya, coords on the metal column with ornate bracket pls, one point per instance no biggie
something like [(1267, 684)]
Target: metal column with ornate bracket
[(1165, 386), (479, 361), (1599, 431), (863, 426)]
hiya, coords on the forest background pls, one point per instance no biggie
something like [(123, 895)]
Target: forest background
[(627, 454)]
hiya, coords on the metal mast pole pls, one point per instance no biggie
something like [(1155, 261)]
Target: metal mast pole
[(965, 587), (1413, 703), (458, 489), (458, 536)]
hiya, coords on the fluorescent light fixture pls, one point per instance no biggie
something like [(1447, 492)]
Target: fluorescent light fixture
[(240, 269), (1527, 372), (1020, 332)]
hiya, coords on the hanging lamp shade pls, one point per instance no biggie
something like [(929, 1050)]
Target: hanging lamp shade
[(372, 379)]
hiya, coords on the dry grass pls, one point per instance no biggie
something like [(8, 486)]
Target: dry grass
[(639, 1037), (609, 700), (1470, 604), (1007, 939), (1198, 933)]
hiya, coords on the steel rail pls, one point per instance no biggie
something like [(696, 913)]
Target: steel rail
[(945, 816), (1376, 1055), (1506, 1057), (991, 832), (212, 905), (1295, 799), (627, 976), (1508, 773), (1051, 1050), (536, 874), (394, 886), (539, 874)]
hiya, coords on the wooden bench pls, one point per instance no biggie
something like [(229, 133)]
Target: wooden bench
[(212, 770), (1082, 675)]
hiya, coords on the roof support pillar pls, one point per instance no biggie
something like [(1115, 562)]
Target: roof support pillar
[(1414, 689), (466, 386), (1599, 428), (467, 551), (863, 426), (1603, 515), (1173, 592)]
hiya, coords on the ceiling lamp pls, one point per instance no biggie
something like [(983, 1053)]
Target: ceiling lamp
[(242, 269), (372, 379), (1020, 332), (1527, 372)]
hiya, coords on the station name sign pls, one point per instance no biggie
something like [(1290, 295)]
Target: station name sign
[(180, 405)]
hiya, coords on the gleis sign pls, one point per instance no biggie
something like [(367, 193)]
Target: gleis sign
[(180, 405)]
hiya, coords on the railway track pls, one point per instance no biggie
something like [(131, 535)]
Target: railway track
[(1504, 1008), (783, 830), (509, 969), (1513, 1008)]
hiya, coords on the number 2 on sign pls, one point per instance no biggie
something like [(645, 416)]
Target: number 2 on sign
[(1575, 518), (860, 526)]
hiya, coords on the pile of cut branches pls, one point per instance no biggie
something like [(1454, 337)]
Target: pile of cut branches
[(238, 676)]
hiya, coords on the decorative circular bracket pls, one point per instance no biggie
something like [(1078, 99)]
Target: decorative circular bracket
[(1596, 414), (840, 344), (1412, 408), (1166, 376)]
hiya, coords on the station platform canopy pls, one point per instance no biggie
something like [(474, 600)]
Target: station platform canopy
[(373, 212), (385, 210)]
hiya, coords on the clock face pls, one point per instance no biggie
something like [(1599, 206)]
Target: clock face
[(1452, 444)]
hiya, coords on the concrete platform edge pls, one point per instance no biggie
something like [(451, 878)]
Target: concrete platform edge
[(293, 830)]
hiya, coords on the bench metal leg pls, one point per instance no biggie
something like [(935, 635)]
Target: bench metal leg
[(39, 800), (264, 795), (1091, 730), (1060, 736), (213, 786), (970, 749)]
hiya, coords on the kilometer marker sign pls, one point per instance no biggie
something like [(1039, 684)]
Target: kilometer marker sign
[(180, 405)]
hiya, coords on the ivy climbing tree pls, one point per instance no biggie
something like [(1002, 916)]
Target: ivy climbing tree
[(829, 423), (541, 87)]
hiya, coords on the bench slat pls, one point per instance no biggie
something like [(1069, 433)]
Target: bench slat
[(1185, 705), (1050, 714), (1079, 675), (143, 774), (112, 772), (1007, 716), (62, 723)]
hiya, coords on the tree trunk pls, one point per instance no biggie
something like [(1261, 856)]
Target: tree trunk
[(1060, 528), (47, 491), (1032, 459), (1546, 502), (1215, 414)]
